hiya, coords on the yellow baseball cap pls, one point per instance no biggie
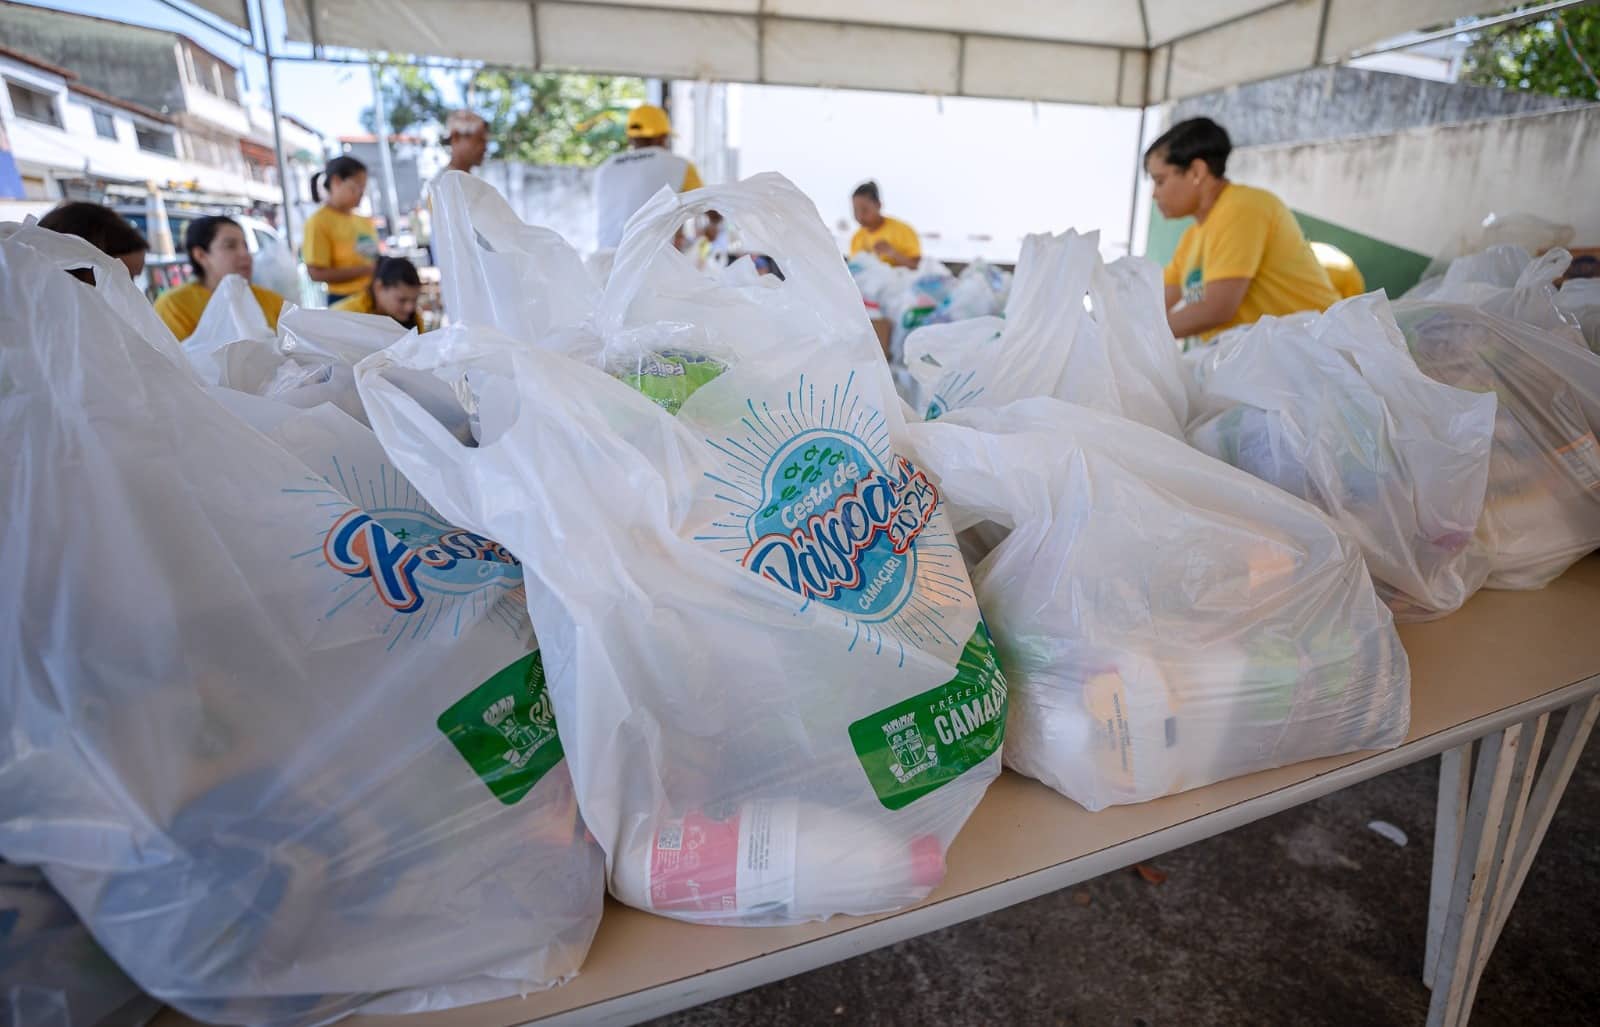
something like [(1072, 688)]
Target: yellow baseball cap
[(647, 121)]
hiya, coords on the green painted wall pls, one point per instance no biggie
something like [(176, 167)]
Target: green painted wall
[(1393, 269)]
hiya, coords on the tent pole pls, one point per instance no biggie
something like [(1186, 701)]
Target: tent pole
[(1138, 169), (277, 126), (380, 122)]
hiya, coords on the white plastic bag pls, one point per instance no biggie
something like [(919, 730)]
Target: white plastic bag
[(1579, 300), (1331, 408), (1507, 281), (1513, 228), (776, 695), (521, 279), (913, 299), (1112, 353), (875, 280), (1165, 620), (52, 974), (280, 741), (231, 316), (1542, 504)]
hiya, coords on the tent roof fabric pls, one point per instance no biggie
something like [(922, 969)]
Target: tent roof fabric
[(1127, 53)]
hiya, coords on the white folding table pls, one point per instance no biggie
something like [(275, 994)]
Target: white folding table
[(1485, 683)]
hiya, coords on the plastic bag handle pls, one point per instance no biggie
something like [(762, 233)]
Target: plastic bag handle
[(111, 281), (1545, 269), (772, 214)]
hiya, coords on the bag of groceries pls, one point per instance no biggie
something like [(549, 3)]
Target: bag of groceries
[(1073, 328), (1541, 509), (1165, 620), (52, 974), (275, 730), (775, 691), (1331, 408)]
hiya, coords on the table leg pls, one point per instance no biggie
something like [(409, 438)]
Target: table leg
[(1491, 824)]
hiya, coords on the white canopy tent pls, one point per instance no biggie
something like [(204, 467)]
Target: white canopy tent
[(1129, 53), (1121, 53)]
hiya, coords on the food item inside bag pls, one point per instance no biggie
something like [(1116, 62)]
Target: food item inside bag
[(1542, 504), (273, 728), (51, 971), (1074, 329), (1165, 621), (670, 378), (768, 623), (1332, 408)]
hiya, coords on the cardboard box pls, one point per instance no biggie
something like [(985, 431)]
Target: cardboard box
[(884, 327)]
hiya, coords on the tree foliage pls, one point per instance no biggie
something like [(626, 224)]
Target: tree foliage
[(1559, 55), (538, 117)]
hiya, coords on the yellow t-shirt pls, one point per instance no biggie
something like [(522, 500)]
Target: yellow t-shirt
[(181, 308), (894, 232), (1342, 271), (1250, 233), (360, 303), (335, 239)]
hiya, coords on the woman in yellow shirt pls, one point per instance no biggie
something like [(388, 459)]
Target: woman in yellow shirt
[(391, 292), (894, 241), (341, 246), (216, 249), (1245, 257)]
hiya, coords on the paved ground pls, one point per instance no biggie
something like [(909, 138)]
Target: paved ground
[(1306, 918)]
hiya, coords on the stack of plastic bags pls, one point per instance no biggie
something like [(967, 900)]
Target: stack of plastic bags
[(775, 691), (1074, 329), (1165, 620), (274, 729), (1333, 409)]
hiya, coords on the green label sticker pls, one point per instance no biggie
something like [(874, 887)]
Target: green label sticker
[(931, 739), (505, 729)]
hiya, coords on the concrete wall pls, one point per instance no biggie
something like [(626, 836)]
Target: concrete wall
[(1339, 102), (1394, 201), (558, 198), (1419, 189)]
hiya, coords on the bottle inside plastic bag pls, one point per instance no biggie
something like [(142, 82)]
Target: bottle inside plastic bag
[(1166, 621), (767, 610)]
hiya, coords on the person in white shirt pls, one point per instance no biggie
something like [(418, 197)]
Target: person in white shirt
[(626, 180), (467, 135)]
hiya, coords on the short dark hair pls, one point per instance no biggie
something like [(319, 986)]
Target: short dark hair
[(340, 167), (1192, 140), (868, 189), (199, 236), (396, 271), (102, 227)]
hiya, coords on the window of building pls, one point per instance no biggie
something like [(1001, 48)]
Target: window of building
[(154, 140), (105, 126), (33, 104)]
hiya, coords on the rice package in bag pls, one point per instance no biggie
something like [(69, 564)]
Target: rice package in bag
[(774, 688), (1165, 620), (275, 730), (1332, 408)]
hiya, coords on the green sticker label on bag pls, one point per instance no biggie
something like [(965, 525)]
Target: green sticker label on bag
[(505, 729), (931, 739)]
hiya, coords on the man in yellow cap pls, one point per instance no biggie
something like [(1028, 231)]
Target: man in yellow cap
[(626, 180)]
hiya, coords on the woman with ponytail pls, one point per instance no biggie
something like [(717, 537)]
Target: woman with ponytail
[(341, 246)]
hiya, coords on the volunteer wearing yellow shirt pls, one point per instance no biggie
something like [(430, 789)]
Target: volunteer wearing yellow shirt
[(626, 180), (216, 250), (1244, 258), (340, 246), (392, 292), (894, 241)]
